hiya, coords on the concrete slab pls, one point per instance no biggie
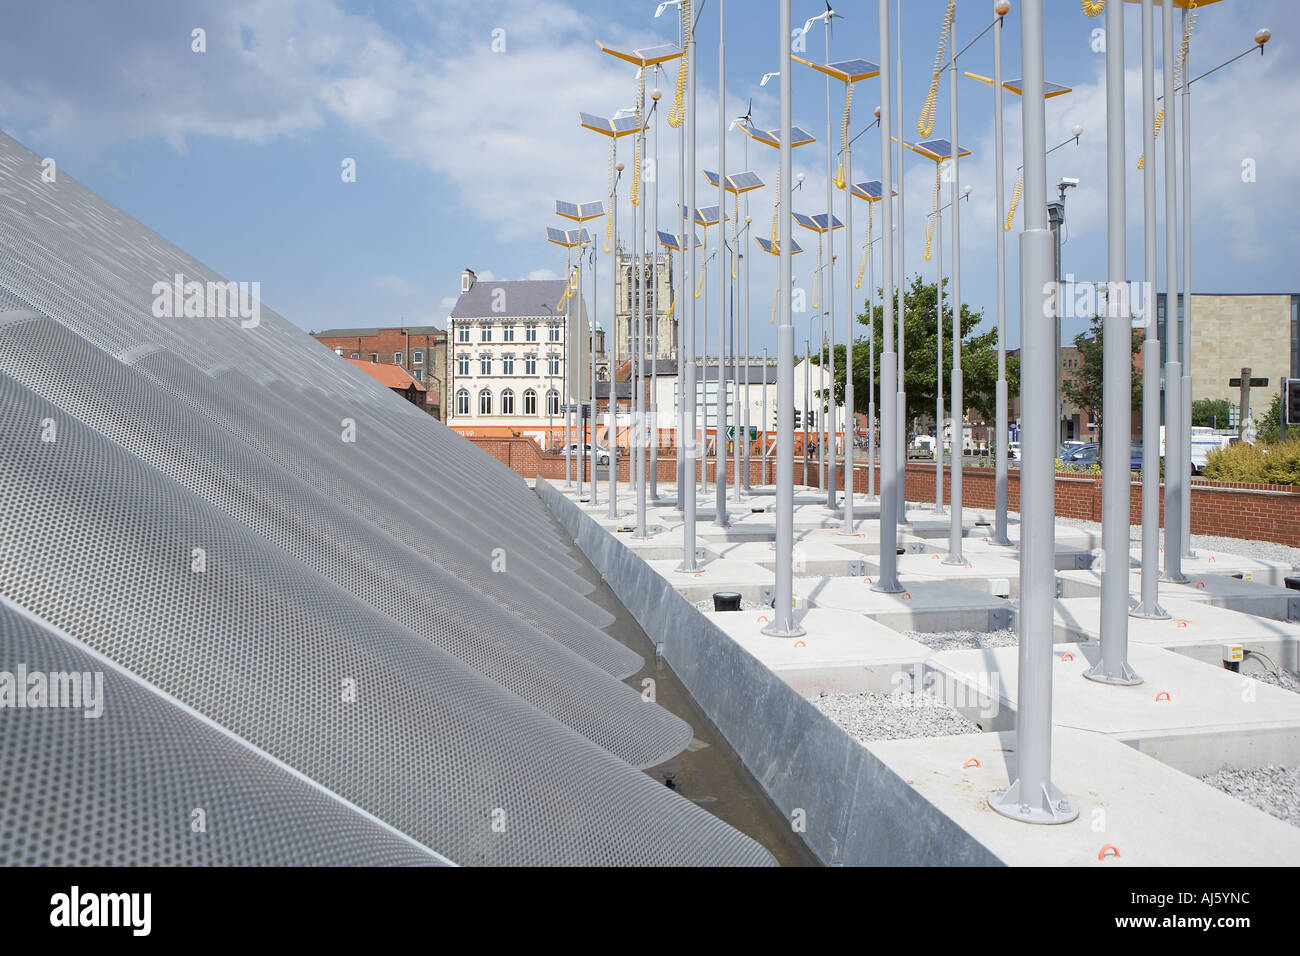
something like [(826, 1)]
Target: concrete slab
[(1069, 557), (1222, 563), (1197, 718), (812, 556), (1250, 597), (923, 605), (988, 573), (1196, 629), (842, 653), (743, 577), (1151, 814)]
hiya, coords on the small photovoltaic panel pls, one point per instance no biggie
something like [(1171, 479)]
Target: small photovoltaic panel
[(870, 191), (660, 53), (744, 182), (815, 223), (768, 246), (707, 215), (934, 149), (569, 210), (772, 137), (676, 243), (848, 71), (557, 236), (579, 211), (622, 126)]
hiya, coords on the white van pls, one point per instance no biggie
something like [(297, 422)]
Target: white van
[(1204, 441)]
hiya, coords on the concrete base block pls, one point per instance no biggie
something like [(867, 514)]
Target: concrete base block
[(1195, 629), (745, 578), (812, 556), (923, 605), (1151, 814), (1232, 565), (842, 653), (993, 574), (1249, 597), (1197, 718)]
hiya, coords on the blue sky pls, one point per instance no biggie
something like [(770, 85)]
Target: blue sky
[(235, 154)]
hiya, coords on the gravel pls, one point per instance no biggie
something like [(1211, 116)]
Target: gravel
[(1284, 679), (896, 716), (964, 640), (1275, 790)]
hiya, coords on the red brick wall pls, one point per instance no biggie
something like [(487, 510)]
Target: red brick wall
[(1253, 512)]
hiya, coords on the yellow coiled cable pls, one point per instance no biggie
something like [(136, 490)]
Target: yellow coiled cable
[(925, 123), (1015, 201), (735, 239), (636, 161), (1178, 70), (862, 266), (934, 213), (609, 217), (677, 112), (844, 135), (1094, 8), (776, 209)]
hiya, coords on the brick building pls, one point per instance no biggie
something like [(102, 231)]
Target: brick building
[(420, 351), (396, 378)]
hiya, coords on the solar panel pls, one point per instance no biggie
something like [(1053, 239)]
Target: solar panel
[(649, 56), (590, 210), (707, 215), (870, 191), (744, 182), (821, 220), (936, 149), (772, 137), (675, 242), (815, 223), (768, 246), (848, 71), (622, 126), (558, 236), (568, 210)]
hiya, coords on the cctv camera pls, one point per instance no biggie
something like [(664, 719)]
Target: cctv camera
[(1068, 182)]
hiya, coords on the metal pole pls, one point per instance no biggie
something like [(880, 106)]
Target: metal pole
[(1002, 398), (821, 373), (1149, 606), (686, 487), (704, 365), (1187, 304), (744, 265), (687, 231), (1033, 798), (763, 451), (830, 287), (595, 485), (850, 418), (958, 412), (783, 623), (1174, 432), (611, 352), (1117, 382), (576, 377), (900, 405), (938, 363), (871, 365), (638, 305), (807, 404), (720, 517), (887, 580), (566, 377), (654, 318)]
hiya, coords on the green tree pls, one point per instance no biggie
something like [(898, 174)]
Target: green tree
[(1205, 409), (1268, 427), (1086, 389), (979, 357)]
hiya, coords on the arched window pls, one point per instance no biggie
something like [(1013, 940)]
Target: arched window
[(530, 402), (462, 402), (485, 402), (552, 402), (507, 402)]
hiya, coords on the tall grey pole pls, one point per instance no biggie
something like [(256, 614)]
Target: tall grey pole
[(567, 379), (1117, 382), (653, 244), (686, 228), (638, 306), (821, 375), (744, 265), (887, 580), (1149, 607), (763, 451), (575, 378), (900, 405), (938, 362), (849, 417), (1002, 396), (704, 366), (1186, 463), (1033, 798), (830, 485), (1174, 432), (720, 516), (591, 417), (611, 349), (783, 623), (958, 412), (807, 405), (871, 364), (686, 487)]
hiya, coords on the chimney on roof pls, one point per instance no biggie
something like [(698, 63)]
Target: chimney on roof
[(467, 280)]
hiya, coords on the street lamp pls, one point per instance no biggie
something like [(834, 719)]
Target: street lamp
[(824, 225), (872, 192)]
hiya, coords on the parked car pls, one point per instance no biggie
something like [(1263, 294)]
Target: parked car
[(584, 451), (1081, 456)]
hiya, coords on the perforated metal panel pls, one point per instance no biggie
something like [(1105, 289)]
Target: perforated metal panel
[(104, 547), (173, 498), (333, 540), (147, 784)]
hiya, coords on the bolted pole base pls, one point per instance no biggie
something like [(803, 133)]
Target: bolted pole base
[(1153, 612), (1049, 806), (1126, 676)]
